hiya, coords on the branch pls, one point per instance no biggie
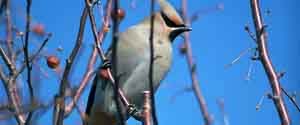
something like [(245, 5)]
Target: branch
[(150, 74), (195, 83), (239, 57), (7, 61), (10, 86), (221, 105), (9, 31), (3, 76), (292, 99), (147, 108), (59, 101), (267, 64), (102, 56), (14, 99), (117, 90), (87, 76), (93, 57), (26, 56), (33, 57)]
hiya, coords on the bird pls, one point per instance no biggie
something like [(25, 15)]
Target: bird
[(133, 62)]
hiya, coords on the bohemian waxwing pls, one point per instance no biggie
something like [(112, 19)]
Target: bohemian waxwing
[(133, 59)]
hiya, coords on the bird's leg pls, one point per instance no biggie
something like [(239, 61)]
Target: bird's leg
[(136, 113), (132, 110)]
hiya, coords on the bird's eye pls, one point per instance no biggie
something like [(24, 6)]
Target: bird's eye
[(169, 22)]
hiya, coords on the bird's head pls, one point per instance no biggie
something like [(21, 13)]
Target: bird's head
[(173, 23)]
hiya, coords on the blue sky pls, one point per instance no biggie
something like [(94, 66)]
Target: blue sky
[(218, 37)]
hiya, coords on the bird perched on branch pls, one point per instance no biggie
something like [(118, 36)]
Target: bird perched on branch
[(133, 60)]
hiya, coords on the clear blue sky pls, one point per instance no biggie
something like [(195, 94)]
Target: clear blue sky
[(217, 38)]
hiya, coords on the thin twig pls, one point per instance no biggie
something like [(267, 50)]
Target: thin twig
[(147, 108), (221, 105), (248, 76), (10, 86), (195, 83), (87, 76), (251, 34), (93, 57), (3, 77), (150, 77), (60, 104), (83, 116), (260, 102), (239, 57), (9, 31), (104, 59), (291, 99), (14, 99), (115, 40), (267, 64), (33, 57), (7, 61), (26, 56)]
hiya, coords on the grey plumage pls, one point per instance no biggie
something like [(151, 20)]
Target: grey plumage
[(133, 59)]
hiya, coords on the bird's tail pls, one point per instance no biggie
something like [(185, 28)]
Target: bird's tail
[(101, 118)]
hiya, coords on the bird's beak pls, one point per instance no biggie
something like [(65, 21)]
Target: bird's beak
[(182, 29), (186, 28), (178, 30)]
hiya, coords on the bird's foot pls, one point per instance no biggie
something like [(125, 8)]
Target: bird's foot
[(135, 112)]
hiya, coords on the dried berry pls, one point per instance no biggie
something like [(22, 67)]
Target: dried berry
[(104, 74), (52, 62), (119, 15), (39, 29)]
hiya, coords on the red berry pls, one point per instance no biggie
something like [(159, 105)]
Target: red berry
[(52, 62), (119, 15), (104, 74), (39, 29)]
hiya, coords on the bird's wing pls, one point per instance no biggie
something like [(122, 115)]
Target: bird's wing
[(130, 57), (101, 108), (136, 83), (95, 107)]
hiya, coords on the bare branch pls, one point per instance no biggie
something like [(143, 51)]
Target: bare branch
[(26, 56), (9, 31), (267, 64), (14, 100), (192, 66), (250, 69), (292, 99), (150, 77), (260, 102), (33, 57), (82, 114), (102, 56), (7, 61), (3, 76), (221, 105), (251, 34), (239, 57), (59, 103), (87, 76), (93, 57), (147, 108)]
